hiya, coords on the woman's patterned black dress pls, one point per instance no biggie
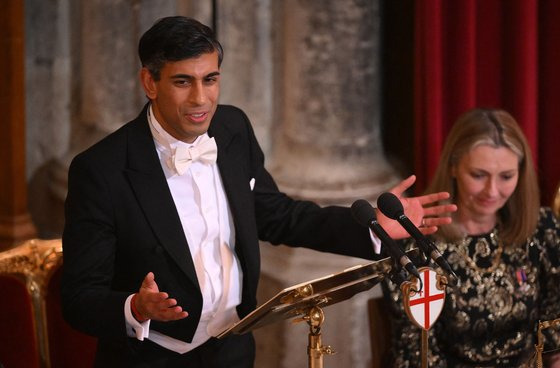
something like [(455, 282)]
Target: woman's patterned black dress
[(490, 318)]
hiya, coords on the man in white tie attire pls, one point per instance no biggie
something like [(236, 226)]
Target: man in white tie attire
[(164, 217)]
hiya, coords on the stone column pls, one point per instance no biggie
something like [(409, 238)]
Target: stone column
[(49, 104), (327, 148), (104, 83), (246, 31), (15, 221), (107, 67)]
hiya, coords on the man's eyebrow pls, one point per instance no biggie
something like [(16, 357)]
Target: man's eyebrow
[(187, 76)]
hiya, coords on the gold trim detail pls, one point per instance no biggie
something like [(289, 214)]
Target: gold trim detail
[(539, 347), (33, 263)]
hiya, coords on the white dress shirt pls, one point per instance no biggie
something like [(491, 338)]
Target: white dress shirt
[(203, 209)]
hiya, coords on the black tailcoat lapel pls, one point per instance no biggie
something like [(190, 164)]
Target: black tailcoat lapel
[(234, 162)]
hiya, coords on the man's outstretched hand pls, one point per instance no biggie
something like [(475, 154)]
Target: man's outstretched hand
[(427, 218), (151, 303)]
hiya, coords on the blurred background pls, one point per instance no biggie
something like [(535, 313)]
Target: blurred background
[(346, 97)]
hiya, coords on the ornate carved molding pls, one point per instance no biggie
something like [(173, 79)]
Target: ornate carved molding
[(33, 263)]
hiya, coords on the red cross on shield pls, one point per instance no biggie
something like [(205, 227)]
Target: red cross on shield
[(424, 307)]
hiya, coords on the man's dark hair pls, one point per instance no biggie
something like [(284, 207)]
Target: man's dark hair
[(174, 39)]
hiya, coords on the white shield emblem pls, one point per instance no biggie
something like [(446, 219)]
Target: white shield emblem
[(424, 307)]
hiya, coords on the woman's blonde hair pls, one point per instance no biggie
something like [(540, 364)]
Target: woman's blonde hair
[(517, 219)]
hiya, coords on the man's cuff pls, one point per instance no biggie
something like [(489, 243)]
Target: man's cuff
[(133, 327), (376, 242)]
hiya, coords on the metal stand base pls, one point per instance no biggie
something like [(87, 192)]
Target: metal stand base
[(315, 350)]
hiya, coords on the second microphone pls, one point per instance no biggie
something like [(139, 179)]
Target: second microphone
[(365, 215)]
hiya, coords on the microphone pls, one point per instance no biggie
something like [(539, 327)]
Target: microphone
[(392, 207), (365, 215)]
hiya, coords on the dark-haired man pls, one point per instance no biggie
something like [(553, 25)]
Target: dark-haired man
[(164, 215)]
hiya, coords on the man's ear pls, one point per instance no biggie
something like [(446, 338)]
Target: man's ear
[(148, 83)]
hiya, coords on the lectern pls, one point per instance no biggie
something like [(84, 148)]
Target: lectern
[(305, 302)]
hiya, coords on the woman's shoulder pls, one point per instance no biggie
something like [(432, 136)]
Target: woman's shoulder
[(547, 238), (547, 234), (547, 219)]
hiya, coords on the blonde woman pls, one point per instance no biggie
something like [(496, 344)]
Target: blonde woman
[(503, 246)]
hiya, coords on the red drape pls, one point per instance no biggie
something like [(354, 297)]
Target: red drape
[(18, 345), (488, 53)]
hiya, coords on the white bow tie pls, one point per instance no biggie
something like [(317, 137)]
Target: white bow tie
[(205, 152)]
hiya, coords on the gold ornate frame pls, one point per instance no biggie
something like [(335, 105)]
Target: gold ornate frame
[(33, 263)]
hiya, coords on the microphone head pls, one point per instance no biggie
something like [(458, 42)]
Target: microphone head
[(363, 212), (390, 205)]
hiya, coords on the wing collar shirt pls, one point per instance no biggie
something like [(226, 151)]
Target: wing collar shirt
[(203, 209)]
